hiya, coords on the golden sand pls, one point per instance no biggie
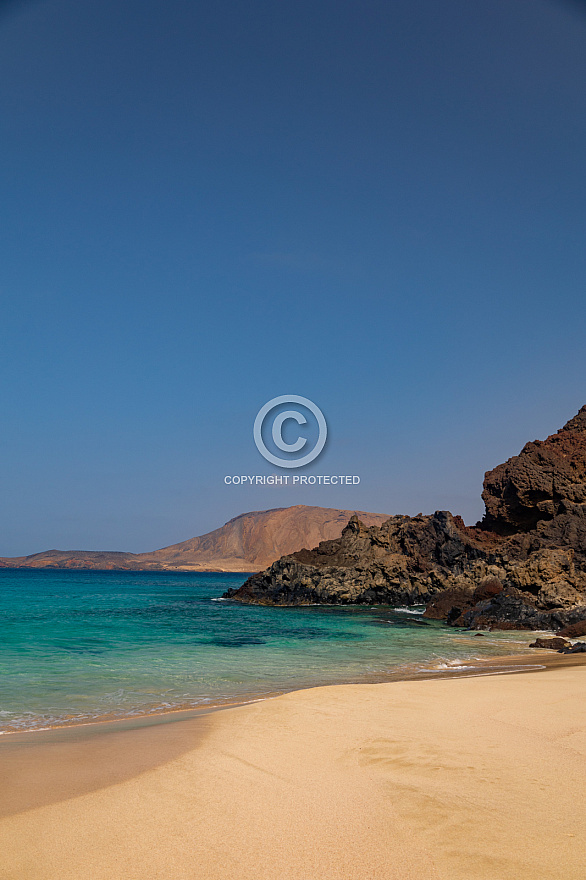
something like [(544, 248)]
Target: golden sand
[(453, 779)]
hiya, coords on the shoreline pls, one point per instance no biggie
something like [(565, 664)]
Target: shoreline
[(452, 777), (36, 764), (506, 664)]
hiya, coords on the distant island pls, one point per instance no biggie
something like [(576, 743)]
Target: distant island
[(522, 567), (248, 542)]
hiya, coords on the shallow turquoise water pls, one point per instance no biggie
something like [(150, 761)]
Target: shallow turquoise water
[(75, 646)]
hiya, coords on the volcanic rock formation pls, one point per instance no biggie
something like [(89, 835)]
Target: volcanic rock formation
[(523, 566)]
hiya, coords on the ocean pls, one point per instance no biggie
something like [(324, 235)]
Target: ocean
[(79, 646)]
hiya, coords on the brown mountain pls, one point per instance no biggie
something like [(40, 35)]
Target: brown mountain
[(246, 543), (523, 566)]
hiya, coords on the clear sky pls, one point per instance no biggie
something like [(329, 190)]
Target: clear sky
[(379, 206)]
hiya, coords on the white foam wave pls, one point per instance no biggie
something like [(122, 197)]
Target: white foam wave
[(452, 664)]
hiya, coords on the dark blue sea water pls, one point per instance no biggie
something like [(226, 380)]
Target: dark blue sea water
[(76, 646)]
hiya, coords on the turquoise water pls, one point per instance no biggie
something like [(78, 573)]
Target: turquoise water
[(75, 646)]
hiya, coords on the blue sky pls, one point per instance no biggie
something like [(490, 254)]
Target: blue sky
[(378, 206)]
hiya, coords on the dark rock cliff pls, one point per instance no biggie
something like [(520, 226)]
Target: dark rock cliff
[(545, 481), (523, 566)]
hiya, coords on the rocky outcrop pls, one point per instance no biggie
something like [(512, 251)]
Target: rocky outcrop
[(523, 566), (546, 480), (551, 644), (246, 543), (574, 630), (577, 648), (407, 560)]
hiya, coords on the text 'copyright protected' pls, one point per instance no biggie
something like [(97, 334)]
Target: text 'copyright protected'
[(288, 480)]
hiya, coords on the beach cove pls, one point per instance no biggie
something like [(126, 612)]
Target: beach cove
[(89, 646)]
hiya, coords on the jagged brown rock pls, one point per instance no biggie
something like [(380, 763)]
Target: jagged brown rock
[(552, 644), (406, 560), (574, 630), (547, 479), (522, 567)]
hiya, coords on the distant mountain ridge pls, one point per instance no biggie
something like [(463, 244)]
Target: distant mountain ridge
[(248, 542)]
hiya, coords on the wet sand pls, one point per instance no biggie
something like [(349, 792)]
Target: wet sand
[(457, 777)]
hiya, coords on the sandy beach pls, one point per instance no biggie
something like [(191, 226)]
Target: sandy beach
[(479, 777)]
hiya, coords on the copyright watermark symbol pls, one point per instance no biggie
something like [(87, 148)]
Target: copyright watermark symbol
[(281, 417)]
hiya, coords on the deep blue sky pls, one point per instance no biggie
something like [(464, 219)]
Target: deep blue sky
[(377, 205)]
